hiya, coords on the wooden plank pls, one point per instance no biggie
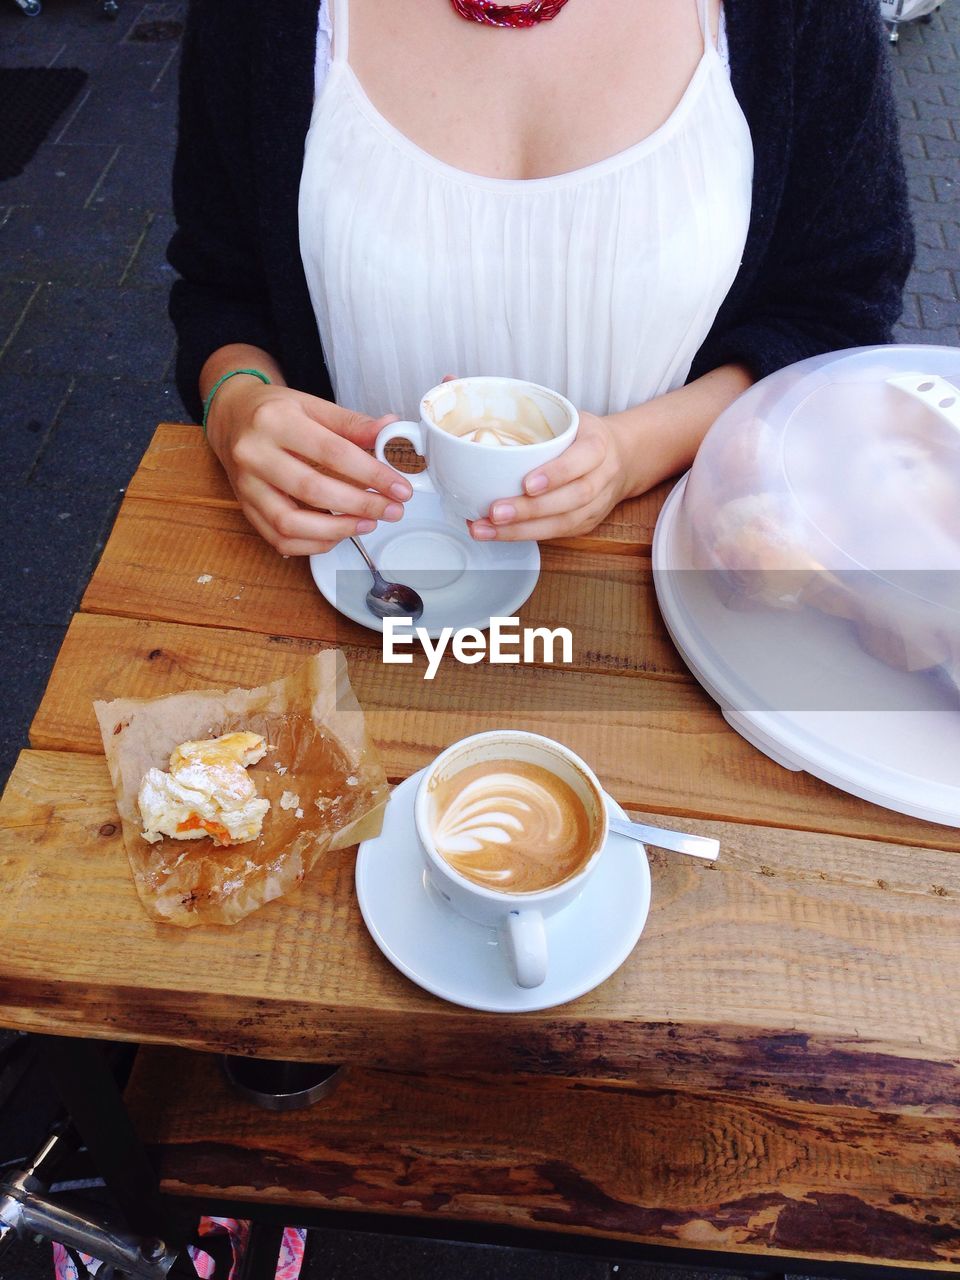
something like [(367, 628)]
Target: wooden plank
[(179, 467), (695, 1170), (656, 745), (627, 530), (207, 565), (797, 966)]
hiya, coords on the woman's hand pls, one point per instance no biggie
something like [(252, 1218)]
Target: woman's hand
[(613, 458), (271, 439), (571, 494)]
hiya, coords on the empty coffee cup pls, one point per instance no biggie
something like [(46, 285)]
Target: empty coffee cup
[(481, 436)]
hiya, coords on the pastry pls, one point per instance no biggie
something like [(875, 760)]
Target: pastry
[(207, 792)]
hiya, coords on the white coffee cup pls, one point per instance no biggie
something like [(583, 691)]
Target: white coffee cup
[(470, 476), (518, 916)]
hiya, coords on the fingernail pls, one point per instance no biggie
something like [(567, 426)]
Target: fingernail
[(401, 491), (483, 532), (536, 483), (503, 512), (366, 526), (393, 512)]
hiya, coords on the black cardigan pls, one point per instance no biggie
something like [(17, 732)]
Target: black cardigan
[(828, 249)]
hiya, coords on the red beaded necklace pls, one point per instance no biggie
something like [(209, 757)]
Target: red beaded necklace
[(491, 14)]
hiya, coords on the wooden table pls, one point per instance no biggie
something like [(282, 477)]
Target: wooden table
[(773, 1071)]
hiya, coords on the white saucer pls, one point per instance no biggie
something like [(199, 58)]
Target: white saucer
[(462, 583), (463, 962)]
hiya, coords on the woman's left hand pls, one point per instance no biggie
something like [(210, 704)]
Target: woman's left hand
[(565, 497)]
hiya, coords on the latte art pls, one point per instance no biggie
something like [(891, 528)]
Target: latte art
[(511, 826)]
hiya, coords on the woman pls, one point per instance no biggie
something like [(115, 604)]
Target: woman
[(645, 206)]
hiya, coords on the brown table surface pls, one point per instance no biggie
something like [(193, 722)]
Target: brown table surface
[(775, 1068)]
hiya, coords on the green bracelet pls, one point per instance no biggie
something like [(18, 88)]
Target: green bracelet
[(219, 383)]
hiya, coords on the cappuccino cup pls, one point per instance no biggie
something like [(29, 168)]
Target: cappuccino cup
[(480, 437), (511, 825)]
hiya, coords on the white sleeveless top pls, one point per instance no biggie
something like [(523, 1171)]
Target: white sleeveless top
[(601, 283)]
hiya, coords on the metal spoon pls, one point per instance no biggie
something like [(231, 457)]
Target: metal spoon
[(676, 841), (389, 599)]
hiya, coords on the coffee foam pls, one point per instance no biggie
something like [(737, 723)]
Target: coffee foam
[(500, 434), (510, 825), (504, 421)]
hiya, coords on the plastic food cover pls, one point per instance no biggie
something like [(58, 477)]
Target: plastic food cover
[(318, 752), (811, 557), (907, 10)]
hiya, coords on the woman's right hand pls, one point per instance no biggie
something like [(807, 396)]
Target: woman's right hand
[(271, 440)]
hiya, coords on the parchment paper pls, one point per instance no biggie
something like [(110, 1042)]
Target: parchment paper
[(318, 749)]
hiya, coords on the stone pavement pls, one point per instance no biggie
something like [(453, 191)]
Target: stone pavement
[(86, 372), (926, 71), (85, 345)]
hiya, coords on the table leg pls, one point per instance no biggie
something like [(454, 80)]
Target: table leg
[(262, 1253), (88, 1089), (16, 1059)]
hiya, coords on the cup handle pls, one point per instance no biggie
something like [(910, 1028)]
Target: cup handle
[(413, 432), (526, 942)]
